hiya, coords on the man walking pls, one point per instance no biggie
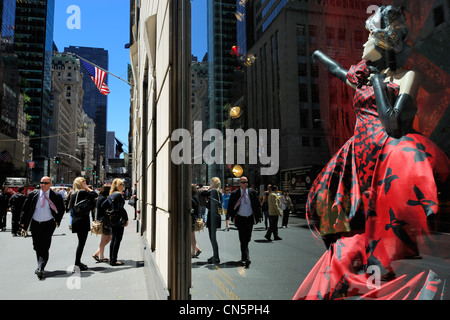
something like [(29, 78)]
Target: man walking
[(43, 209), (274, 212), (245, 210)]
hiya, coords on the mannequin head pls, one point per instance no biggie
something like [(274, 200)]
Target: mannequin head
[(388, 32)]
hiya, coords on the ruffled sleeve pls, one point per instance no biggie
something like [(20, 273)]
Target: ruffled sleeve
[(358, 74)]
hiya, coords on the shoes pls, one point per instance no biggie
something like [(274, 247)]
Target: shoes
[(116, 263), (213, 261), (198, 253), (40, 273), (81, 266), (267, 237), (96, 258), (278, 238), (246, 263)]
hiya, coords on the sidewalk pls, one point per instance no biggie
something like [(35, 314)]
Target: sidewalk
[(101, 281), (277, 269)]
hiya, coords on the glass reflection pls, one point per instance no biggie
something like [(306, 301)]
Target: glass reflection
[(378, 220)]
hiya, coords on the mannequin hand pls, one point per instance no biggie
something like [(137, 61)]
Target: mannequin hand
[(377, 77), (315, 54)]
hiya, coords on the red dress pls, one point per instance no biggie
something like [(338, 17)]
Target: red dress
[(378, 193)]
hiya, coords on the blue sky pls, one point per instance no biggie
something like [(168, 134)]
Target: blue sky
[(105, 24)]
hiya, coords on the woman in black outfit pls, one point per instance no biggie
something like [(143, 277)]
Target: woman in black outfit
[(99, 256), (116, 203), (81, 224), (213, 220)]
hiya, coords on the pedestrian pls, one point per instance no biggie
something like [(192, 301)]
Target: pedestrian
[(69, 208), (83, 203), (213, 219), (4, 205), (274, 208), (195, 214), (286, 207), (42, 210), (203, 201), (116, 218), (133, 200), (244, 209), (225, 200), (16, 203), (99, 255), (265, 206)]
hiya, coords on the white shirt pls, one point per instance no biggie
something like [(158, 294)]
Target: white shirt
[(42, 214), (245, 209)]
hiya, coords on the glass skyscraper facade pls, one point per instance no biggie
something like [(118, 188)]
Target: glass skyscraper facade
[(33, 43), (221, 39), (9, 80)]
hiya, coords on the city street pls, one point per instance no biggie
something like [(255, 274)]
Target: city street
[(277, 268), (276, 271), (101, 281)]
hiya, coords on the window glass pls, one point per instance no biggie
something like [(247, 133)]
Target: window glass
[(356, 177)]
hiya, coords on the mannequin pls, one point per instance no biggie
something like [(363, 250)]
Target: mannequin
[(366, 198)]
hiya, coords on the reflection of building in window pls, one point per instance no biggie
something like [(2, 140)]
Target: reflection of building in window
[(287, 33)]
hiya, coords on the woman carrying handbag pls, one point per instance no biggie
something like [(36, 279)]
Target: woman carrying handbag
[(82, 202), (213, 220), (99, 256), (116, 218)]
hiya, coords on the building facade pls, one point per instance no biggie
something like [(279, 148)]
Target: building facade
[(67, 141), (33, 43), (161, 102), (95, 104), (14, 140)]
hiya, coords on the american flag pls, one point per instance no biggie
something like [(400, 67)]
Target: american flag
[(98, 76)]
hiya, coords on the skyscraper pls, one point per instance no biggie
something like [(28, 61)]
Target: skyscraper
[(33, 43), (94, 103), (221, 39)]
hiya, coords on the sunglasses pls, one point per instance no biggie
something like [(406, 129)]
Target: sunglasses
[(243, 182), (45, 182)]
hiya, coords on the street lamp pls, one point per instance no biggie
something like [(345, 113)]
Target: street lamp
[(237, 171)]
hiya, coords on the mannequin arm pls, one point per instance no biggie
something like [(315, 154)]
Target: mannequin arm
[(397, 118), (332, 66)]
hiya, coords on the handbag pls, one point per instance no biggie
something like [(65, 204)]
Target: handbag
[(219, 205), (97, 227), (132, 201), (84, 206), (199, 224)]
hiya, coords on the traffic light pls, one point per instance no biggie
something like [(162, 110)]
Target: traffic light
[(57, 160)]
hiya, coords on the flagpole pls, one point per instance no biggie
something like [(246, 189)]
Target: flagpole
[(100, 68)]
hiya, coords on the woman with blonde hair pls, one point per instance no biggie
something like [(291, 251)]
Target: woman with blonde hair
[(213, 220), (82, 202), (116, 218), (106, 231)]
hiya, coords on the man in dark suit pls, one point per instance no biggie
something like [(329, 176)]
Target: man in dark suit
[(245, 210), (43, 209)]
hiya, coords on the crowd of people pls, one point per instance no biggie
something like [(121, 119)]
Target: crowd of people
[(41, 211), (243, 206)]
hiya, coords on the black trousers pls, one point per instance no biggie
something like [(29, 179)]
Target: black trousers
[(117, 235), (245, 228), (273, 226), (82, 237), (41, 233), (15, 219)]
